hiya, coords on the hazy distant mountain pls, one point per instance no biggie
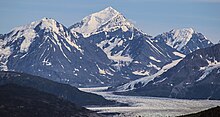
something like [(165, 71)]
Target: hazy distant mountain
[(19, 101), (185, 40), (194, 77)]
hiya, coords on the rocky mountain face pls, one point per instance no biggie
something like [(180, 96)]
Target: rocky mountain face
[(194, 77), (47, 49), (141, 82), (185, 40), (19, 101), (104, 49), (131, 51), (63, 91), (100, 21)]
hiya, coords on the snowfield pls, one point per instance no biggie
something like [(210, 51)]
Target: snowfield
[(150, 106)]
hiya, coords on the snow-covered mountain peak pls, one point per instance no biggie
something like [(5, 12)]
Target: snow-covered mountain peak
[(51, 25), (183, 34), (29, 31), (26, 31), (108, 11), (103, 20), (180, 37), (118, 21), (101, 17), (183, 31), (48, 22), (185, 40), (44, 23), (46, 19), (41, 29)]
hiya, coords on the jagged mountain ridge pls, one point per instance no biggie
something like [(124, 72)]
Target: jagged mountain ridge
[(100, 21), (113, 52), (141, 82), (185, 40), (132, 51), (46, 48), (194, 77)]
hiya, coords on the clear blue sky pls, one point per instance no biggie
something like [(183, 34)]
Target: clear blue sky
[(151, 16)]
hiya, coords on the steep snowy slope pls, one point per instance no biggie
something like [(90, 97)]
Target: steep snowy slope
[(185, 40), (103, 49), (143, 81), (132, 52), (99, 21), (47, 49), (194, 77)]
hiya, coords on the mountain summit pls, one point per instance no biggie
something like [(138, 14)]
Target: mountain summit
[(185, 40), (132, 52), (46, 48), (106, 19), (28, 33), (103, 49)]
